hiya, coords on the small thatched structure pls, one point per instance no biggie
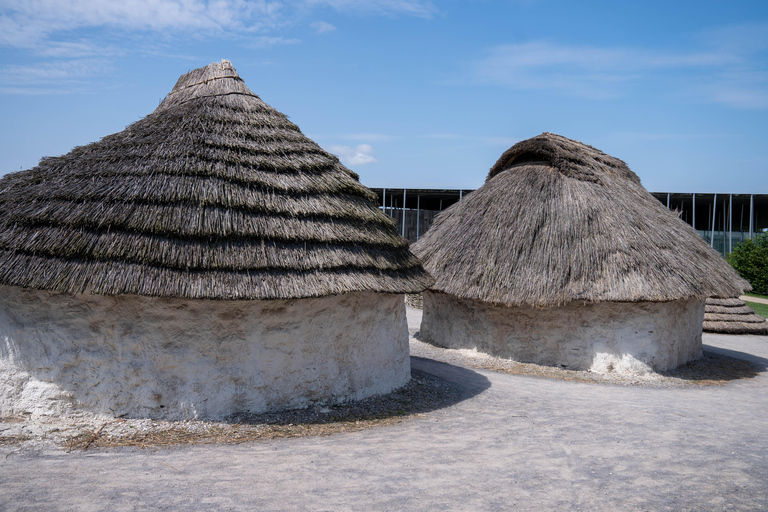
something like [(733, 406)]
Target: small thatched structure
[(206, 260), (563, 258), (732, 316)]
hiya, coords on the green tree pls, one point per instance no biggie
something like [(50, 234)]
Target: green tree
[(750, 259)]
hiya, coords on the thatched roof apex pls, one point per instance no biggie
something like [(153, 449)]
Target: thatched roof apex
[(213, 195), (571, 158), (216, 79), (559, 221)]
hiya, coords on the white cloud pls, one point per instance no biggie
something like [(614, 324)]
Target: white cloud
[(359, 155), (587, 71), (29, 24), (739, 39), (421, 8), (60, 31), (728, 68), (484, 140), (364, 136), (377, 137), (322, 27), (268, 41), (444, 136), (644, 136), (738, 94), (43, 78)]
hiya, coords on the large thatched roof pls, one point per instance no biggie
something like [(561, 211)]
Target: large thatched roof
[(213, 195), (559, 221)]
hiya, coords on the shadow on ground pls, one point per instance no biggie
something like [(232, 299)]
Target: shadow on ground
[(717, 367), (720, 365), (434, 385)]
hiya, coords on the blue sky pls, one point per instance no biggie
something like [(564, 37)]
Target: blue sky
[(413, 93)]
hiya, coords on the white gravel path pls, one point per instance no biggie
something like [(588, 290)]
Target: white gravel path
[(747, 298)]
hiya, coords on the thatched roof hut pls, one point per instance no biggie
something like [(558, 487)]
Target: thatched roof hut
[(560, 251), (214, 198), (732, 316)]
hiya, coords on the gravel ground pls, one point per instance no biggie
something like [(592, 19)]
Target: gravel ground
[(424, 393), (495, 439)]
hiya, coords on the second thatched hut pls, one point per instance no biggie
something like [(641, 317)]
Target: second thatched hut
[(563, 258), (209, 259)]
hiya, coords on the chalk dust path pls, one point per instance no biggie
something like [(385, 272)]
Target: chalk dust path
[(747, 298), (524, 443)]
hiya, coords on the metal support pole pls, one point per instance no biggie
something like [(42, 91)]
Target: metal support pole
[(694, 211), (384, 199), (418, 214), (741, 222), (667, 200), (714, 213), (403, 212), (751, 212), (730, 223), (725, 223), (461, 192)]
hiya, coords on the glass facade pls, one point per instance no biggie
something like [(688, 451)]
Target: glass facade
[(722, 220)]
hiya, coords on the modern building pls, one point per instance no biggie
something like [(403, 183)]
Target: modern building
[(723, 220)]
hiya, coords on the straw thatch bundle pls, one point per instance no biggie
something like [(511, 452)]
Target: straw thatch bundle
[(213, 195), (732, 316), (559, 221)]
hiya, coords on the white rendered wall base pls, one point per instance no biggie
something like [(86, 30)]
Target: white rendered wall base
[(622, 337), (135, 356)]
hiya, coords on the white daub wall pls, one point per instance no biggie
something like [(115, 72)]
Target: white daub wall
[(135, 356), (622, 337)]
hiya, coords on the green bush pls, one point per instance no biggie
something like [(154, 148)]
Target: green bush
[(750, 259)]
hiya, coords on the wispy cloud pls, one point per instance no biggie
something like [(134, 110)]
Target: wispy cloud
[(48, 77), (645, 136), (587, 71), (29, 24), (736, 95), (362, 137), (484, 140), (359, 155), (60, 34), (728, 67), (268, 41), (422, 8), (375, 137), (322, 27)]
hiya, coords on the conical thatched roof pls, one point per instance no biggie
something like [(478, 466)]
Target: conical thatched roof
[(559, 221), (213, 195), (732, 316)]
